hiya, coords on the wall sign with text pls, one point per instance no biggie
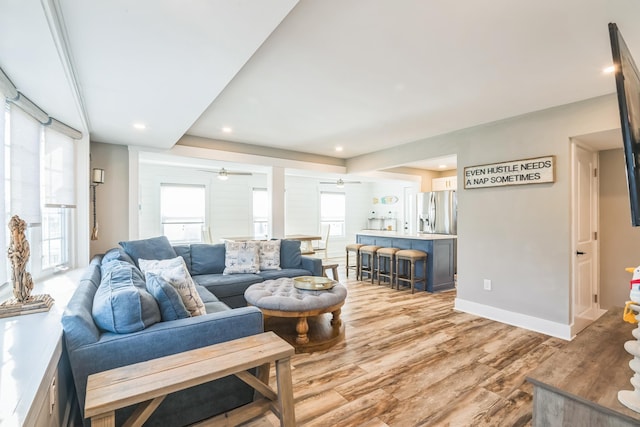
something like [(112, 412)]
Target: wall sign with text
[(517, 172)]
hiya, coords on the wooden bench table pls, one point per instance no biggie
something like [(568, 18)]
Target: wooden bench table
[(148, 383)]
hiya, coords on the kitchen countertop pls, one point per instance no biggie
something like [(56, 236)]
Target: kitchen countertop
[(400, 235)]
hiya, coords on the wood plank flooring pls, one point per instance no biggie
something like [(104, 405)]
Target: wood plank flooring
[(411, 360)]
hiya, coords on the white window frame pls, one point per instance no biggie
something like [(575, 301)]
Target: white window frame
[(338, 223), (185, 221), (259, 222)]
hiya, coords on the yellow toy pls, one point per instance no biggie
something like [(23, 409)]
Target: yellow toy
[(634, 294)]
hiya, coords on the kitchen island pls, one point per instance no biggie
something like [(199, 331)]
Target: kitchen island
[(440, 249)]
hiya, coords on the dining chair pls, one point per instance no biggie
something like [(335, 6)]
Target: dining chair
[(323, 245)]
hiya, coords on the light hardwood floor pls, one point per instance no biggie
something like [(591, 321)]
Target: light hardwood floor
[(411, 360)]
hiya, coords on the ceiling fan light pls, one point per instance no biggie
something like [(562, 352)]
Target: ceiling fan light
[(340, 183), (223, 175)]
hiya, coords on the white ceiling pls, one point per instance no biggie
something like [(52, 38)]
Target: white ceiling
[(306, 75)]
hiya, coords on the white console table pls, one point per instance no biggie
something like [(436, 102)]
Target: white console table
[(32, 390)]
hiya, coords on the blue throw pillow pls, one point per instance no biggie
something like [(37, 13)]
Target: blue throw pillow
[(121, 303), (207, 258), (153, 248), (290, 255), (167, 297), (117, 254)]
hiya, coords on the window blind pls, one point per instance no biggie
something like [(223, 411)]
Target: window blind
[(182, 203), (25, 166), (3, 227), (59, 172)]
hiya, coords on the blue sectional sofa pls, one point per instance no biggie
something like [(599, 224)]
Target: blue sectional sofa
[(91, 348), (206, 264)]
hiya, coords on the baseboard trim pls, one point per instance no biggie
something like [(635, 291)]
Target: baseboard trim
[(531, 323)]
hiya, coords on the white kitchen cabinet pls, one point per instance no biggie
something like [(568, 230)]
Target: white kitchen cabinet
[(445, 183)]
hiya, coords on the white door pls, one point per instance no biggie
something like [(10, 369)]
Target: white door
[(409, 217), (585, 307)]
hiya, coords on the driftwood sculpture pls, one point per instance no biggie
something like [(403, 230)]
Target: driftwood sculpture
[(18, 253)]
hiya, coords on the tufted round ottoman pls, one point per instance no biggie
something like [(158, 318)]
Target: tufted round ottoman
[(280, 298)]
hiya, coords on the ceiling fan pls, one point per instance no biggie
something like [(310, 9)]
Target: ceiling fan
[(224, 174), (340, 182)]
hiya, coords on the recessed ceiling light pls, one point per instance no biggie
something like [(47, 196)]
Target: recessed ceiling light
[(227, 129), (339, 148), (610, 69), (140, 126), (442, 166)]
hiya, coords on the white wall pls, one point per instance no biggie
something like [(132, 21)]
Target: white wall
[(112, 196), (229, 202), (619, 241)]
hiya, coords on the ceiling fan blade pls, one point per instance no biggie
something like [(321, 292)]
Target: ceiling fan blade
[(226, 172), (340, 182)]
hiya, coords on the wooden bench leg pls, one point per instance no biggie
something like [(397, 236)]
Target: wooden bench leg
[(104, 420), (285, 393), (263, 375)]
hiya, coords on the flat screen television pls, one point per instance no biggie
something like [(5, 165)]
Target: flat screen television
[(628, 90)]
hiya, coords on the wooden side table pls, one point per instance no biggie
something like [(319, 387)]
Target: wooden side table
[(334, 271), (148, 383)]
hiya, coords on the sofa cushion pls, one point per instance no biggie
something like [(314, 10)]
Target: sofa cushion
[(287, 272), (207, 258), (117, 254), (269, 255), (122, 304), (223, 286), (290, 255), (241, 257), (205, 295), (167, 297), (185, 252), (216, 306), (175, 272), (154, 248)]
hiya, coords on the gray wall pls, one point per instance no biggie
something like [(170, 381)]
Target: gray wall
[(619, 241), (112, 196), (519, 236)]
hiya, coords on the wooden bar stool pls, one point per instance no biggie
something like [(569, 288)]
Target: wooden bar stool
[(384, 266), (367, 261), (354, 247), (407, 259)]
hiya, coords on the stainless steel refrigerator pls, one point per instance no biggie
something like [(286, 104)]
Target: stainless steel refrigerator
[(437, 212)]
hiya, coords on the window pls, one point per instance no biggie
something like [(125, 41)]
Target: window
[(56, 237), (332, 213), (59, 199), (37, 165), (182, 211), (260, 212)]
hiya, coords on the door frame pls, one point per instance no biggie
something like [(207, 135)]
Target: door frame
[(577, 326)]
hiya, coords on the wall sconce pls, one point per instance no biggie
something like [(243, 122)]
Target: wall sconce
[(97, 178)]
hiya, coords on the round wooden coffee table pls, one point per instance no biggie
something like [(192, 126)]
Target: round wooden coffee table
[(280, 300)]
